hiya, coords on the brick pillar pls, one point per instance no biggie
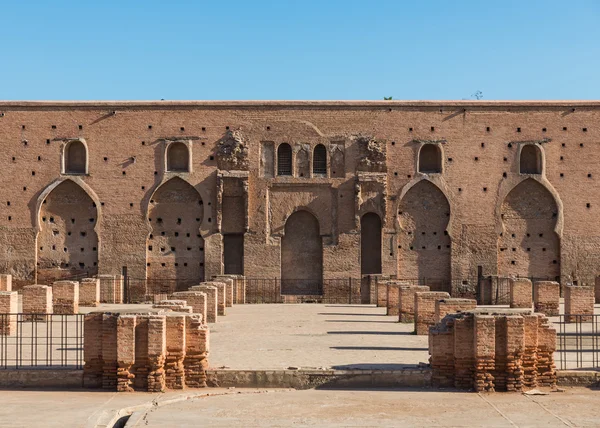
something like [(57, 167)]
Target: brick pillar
[(444, 307), (464, 353), (579, 300), (198, 300), (107, 288), (5, 282), (546, 297), (211, 301), (196, 354), (393, 297), (109, 351), (406, 312), (379, 287), (229, 292), (125, 352), (521, 293), (65, 297), (515, 346), (157, 346), (119, 288), (240, 289), (441, 349), (485, 350), (425, 310), (221, 293), (37, 299), (546, 347), (89, 292), (92, 351), (530, 345), (9, 307), (175, 351)]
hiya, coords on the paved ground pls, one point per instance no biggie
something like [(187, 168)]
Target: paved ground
[(313, 335), (573, 408)]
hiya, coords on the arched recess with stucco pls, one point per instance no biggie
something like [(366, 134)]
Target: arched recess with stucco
[(301, 255), (67, 242), (424, 245), (528, 244), (175, 246)]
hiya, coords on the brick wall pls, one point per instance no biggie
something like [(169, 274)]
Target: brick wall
[(424, 307), (407, 301), (145, 352), (65, 297), (546, 297), (212, 299), (493, 350), (37, 299), (521, 293), (579, 301), (9, 305), (444, 307), (89, 292)]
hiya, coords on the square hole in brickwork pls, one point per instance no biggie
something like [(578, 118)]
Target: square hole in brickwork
[(47, 141), (432, 128), (518, 129), (487, 129), (587, 205), (584, 129), (53, 126), (543, 129), (410, 130), (564, 128), (80, 126)]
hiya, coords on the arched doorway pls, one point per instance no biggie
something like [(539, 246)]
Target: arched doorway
[(67, 242), (528, 245), (370, 244), (175, 248), (301, 255), (423, 243)]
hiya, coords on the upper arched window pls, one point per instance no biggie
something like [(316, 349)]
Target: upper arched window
[(430, 159), (75, 158), (320, 160), (178, 158), (531, 160), (284, 159)]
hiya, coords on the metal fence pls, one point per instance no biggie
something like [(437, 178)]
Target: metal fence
[(41, 341), (275, 290), (579, 342), (495, 290)]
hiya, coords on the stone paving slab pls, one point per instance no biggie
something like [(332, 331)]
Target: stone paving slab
[(278, 336), (425, 408)]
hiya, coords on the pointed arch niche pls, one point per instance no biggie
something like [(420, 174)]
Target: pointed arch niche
[(528, 244), (175, 247), (424, 248), (67, 243)]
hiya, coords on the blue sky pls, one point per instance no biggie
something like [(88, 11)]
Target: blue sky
[(328, 49)]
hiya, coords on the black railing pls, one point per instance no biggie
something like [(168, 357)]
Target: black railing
[(579, 342), (41, 341), (275, 290)]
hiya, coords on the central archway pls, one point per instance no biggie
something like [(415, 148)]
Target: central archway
[(301, 255)]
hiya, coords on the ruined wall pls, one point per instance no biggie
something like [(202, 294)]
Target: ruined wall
[(479, 146)]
